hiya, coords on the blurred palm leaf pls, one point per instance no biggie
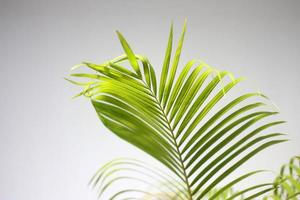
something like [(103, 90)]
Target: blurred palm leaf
[(134, 176), (182, 123), (287, 182)]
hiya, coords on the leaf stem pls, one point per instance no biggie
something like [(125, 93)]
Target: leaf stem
[(179, 153)]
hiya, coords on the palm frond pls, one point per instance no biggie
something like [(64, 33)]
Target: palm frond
[(287, 183), (188, 123), (141, 180)]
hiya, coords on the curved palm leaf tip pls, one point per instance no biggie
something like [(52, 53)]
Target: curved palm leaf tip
[(184, 123), (137, 176)]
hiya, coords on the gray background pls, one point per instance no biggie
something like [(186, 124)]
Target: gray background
[(51, 145)]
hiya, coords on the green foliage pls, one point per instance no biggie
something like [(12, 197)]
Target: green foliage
[(190, 123), (287, 182)]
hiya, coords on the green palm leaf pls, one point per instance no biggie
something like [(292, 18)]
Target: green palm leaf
[(288, 181), (190, 124)]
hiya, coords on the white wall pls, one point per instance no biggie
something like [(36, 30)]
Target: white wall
[(51, 145)]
